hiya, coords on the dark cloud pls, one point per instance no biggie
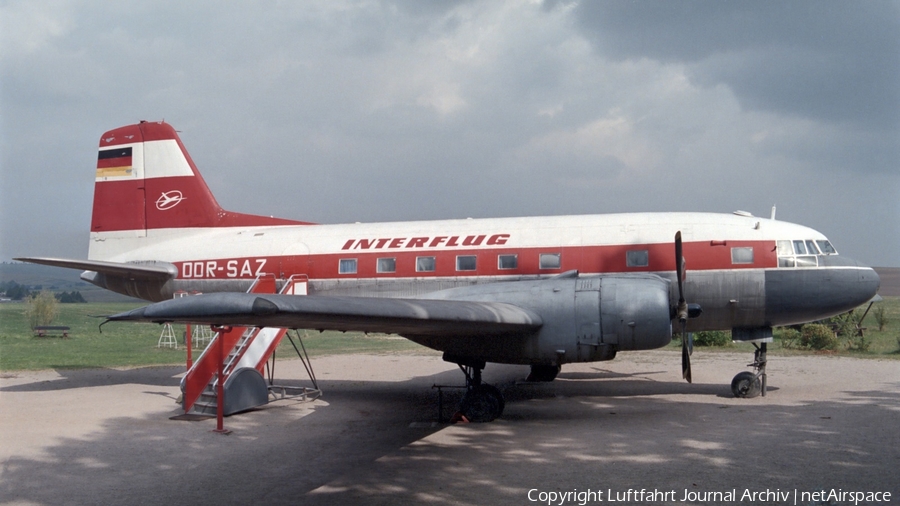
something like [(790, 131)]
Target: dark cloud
[(371, 111), (835, 61)]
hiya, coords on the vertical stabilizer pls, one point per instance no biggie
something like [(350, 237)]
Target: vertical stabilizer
[(146, 180)]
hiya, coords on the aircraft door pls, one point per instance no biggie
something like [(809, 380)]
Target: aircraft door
[(294, 261)]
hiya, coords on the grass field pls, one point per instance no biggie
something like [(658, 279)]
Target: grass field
[(130, 344), (885, 343), (135, 344)]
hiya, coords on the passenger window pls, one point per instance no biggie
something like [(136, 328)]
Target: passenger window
[(550, 260), (799, 247), (466, 262), (425, 264), (811, 248), (637, 258), (506, 262), (742, 255), (386, 265), (826, 247), (347, 266)]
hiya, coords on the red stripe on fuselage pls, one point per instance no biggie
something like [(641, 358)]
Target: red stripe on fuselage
[(586, 259)]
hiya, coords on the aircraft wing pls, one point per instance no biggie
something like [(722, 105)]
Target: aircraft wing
[(142, 270), (407, 317)]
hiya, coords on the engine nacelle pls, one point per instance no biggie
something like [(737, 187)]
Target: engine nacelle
[(586, 318)]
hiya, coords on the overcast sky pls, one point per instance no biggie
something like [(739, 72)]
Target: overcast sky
[(340, 111)]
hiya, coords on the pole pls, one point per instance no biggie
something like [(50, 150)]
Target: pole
[(220, 386), (190, 344)]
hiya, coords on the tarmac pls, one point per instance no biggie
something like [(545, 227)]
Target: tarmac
[(614, 431)]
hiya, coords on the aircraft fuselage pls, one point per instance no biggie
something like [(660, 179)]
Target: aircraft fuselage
[(744, 271)]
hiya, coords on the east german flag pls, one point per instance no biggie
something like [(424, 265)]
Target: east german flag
[(114, 162)]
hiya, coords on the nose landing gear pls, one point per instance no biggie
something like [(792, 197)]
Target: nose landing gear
[(748, 384)]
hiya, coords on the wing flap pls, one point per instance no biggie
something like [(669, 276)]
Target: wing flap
[(407, 317), (140, 270)]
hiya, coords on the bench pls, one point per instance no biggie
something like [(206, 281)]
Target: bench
[(47, 330)]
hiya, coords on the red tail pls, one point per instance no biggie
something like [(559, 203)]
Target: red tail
[(146, 180)]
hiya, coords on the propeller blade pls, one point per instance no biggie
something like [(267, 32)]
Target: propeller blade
[(679, 267), (685, 353), (685, 364), (682, 311)]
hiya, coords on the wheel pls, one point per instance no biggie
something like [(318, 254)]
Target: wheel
[(481, 404), (543, 372), (746, 385)]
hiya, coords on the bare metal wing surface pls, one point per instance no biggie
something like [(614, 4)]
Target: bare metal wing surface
[(138, 270), (408, 317)]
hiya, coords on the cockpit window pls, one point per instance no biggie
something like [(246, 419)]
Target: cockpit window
[(826, 247), (785, 248), (811, 247), (802, 253)]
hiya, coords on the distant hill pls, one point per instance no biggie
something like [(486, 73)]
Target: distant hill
[(57, 279)]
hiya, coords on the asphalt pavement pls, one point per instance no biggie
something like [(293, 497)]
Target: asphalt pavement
[(603, 432)]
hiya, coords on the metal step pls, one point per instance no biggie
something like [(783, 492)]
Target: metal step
[(244, 390), (207, 403), (203, 408), (238, 350)]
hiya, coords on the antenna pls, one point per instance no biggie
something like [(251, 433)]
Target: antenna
[(773, 212)]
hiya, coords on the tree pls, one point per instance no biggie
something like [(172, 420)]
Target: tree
[(70, 297), (42, 309), (14, 290), (880, 318)]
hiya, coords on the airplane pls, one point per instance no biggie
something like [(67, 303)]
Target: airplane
[(538, 291)]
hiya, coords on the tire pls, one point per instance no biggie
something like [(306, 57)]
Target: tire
[(481, 404), (746, 385)]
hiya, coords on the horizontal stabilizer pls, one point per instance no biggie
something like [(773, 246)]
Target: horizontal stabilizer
[(142, 270), (407, 317)]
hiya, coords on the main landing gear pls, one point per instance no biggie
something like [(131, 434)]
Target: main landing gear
[(751, 384), (482, 402)]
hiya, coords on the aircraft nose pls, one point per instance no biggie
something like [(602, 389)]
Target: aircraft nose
[(801, 295), (869, 282), (861, 286)]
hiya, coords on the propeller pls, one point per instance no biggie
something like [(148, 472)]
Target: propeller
[(687, 343)]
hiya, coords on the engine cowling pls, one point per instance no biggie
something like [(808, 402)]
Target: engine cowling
[(586, 318)]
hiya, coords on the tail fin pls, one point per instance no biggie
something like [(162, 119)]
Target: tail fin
[(146, 180)]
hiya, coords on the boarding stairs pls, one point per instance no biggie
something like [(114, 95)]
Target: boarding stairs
[(247, 350)]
